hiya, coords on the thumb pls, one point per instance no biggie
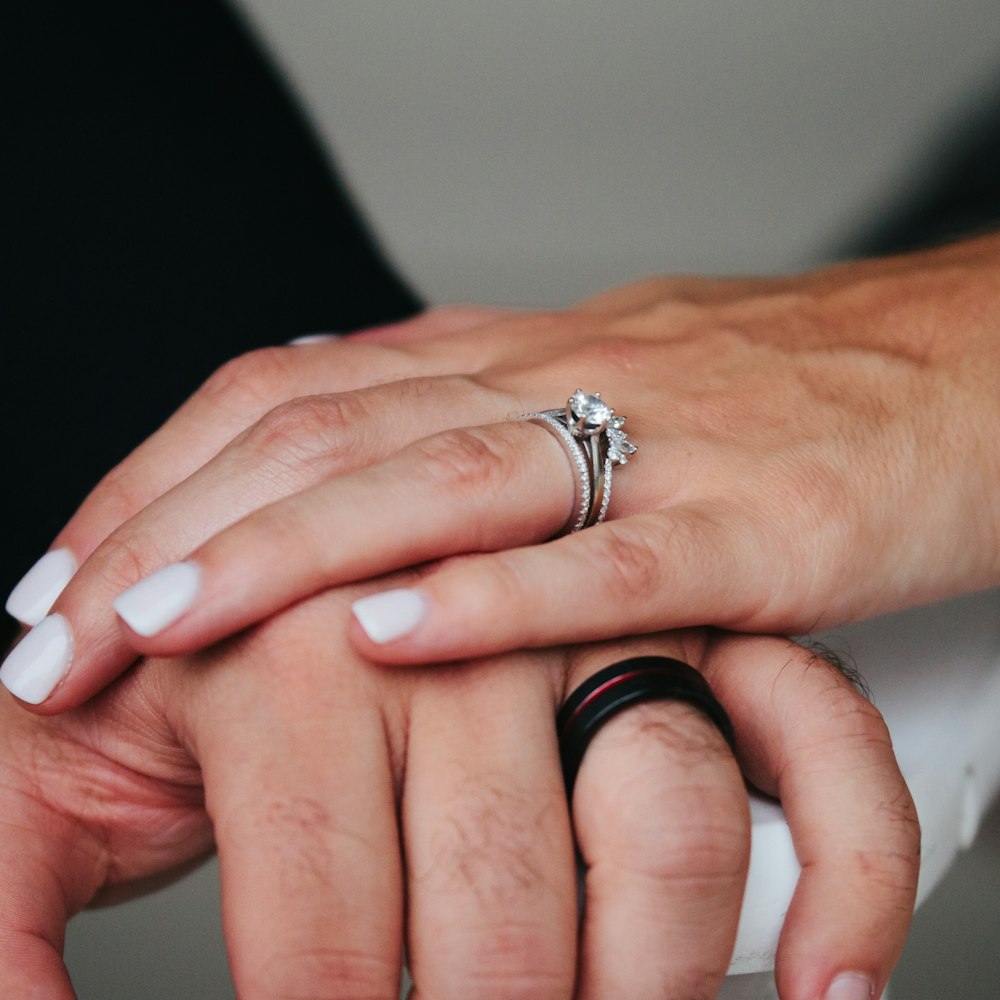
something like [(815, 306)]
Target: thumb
[(33, 914), (50, 867)]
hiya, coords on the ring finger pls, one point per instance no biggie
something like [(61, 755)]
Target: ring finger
[(662, 823)]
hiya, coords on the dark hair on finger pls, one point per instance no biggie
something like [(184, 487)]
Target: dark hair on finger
[(842, 662)]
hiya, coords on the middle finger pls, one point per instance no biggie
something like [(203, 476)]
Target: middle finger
[(489, 852)]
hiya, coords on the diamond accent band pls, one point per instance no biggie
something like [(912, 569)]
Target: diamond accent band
[(606, 499)]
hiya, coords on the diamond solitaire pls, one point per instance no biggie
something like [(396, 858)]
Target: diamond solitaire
[(587, 414)]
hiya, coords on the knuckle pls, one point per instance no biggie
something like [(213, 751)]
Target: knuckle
[(850, 722), (308, 433), (502, 970), (680, 813), (631, 559), (500, 960), (460, 389), (303, 828), (124, 558), (901, 812), (450, 317), (849, 736), (885, 859), (858, 717), (677, 732), (504, 586), (621, 355), (688, 836), (895, 860), (307, 682), (307, 842), (467, 461), (486, 848), (894, 872), (122, 493), (486, 844), (855, 737), (323, 973), (249, 383)]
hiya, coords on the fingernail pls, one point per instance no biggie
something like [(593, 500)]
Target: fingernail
[(312, 338), (39, 661), (32, 599), (389, 615), (150, 605), (850, 986)]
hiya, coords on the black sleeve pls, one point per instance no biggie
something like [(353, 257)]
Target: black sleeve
[(165, 207)]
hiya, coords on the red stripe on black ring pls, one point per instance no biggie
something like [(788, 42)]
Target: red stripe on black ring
[(622, 685)]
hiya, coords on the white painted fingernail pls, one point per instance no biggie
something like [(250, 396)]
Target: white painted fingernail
[(32, 599), (150, 605), (39, 661), (312, 338), (389, 615), (850, 986)]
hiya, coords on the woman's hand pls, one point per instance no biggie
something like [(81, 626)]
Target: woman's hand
[(812, 451), (316, 771)]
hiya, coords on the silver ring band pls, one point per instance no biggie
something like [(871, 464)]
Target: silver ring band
[(584, 489)]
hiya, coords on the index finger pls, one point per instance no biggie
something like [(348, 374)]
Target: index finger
[(52, 867)]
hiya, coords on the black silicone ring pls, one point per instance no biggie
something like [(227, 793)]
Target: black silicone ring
[(622, 685)]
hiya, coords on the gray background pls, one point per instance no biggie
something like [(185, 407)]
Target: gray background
[(534, 151), (531, 153)]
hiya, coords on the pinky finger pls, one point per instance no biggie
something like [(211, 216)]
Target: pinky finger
[(807, 737), (643, 574)]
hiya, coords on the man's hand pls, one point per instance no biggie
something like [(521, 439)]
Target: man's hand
[(354, 805)]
